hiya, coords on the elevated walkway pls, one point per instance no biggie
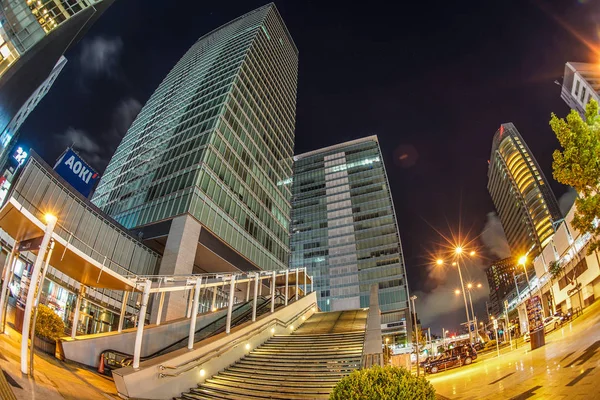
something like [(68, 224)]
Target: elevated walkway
[(306, 364)]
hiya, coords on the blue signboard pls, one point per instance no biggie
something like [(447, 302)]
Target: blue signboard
[(76, 172)]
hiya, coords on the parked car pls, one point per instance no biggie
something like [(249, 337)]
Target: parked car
[(462, 355), (551, 323)]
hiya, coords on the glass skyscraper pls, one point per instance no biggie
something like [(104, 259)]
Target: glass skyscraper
[(214, 143), (344, 231), (525, 202)]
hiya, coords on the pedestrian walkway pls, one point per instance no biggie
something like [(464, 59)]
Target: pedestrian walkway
[(53, 379), (565, 368)]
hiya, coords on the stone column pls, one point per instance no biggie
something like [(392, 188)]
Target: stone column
[(178, 259)]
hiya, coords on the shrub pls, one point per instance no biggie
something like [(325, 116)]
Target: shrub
[(48, 325), (387, 383)]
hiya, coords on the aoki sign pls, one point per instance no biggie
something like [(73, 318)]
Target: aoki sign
[(71, 167)]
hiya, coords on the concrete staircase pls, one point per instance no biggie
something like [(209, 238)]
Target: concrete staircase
[(304, 365)]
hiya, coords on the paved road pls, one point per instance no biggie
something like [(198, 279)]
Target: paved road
[(568, 366)]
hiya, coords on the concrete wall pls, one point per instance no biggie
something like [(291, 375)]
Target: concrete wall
[(86, 349), (147, 383)]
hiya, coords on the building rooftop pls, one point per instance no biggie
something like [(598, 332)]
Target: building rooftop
[(336, 146)]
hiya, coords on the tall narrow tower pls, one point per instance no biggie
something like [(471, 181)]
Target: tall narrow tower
[(524, 200), (203, 162), (344, 232)]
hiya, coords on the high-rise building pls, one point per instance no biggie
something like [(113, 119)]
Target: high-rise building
[(501, 276), (523, 199), (204, 161), (344, 231), (33, 37), (581, 83), (8, 138)]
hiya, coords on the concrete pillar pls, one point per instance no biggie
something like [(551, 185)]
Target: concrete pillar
[(273, 291), (139, 335), (161, 303), (287, 285), (296, 283), (372, 351), (7, 277), (77, 309), (178, 259), (256, 283), (35, 275), (194, 314), (123, 311), (230, 304)]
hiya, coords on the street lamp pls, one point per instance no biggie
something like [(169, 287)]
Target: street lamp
[(458, 251), (413, 298), (470, 287)]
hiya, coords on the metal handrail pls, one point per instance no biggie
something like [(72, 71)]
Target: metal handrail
[(225, 347)]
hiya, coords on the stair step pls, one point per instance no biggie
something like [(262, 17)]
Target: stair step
[(243, 394), (280, 378), (265, 387), (305, 373)]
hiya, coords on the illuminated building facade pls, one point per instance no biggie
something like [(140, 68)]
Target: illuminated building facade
[(204, 161), (34, 35), (523, 199), (581, 83), (344, 232), (8, 138)]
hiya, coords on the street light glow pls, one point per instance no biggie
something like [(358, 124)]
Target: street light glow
[(470, 285), (479, 285), (472, 253), (458, 250), (49, 217), (439, 261), (454, 264), (523, 260), (457, 291)]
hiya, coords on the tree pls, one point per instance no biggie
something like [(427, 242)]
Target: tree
[(556, 269), (577, 165)]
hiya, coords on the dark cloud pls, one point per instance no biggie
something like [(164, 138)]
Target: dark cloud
[(98, 149), (493, 237), (100, 56), (565, 202)]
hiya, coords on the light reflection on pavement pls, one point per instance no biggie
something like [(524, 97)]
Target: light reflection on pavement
[(568, 366)]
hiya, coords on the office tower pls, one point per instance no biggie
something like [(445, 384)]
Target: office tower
[(581, 83), (523, 199), (501, 276), (8, 138), (203, 162), (33, 37), (344, 231)]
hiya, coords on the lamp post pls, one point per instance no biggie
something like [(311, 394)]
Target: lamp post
[(523, 262), (416, 330), (459, 251)]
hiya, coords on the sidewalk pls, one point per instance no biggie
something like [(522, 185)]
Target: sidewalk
[(54, 379)]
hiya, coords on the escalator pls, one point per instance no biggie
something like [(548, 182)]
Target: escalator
[(114, 359)]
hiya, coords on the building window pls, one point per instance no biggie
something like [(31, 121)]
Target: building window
[(577, 85)]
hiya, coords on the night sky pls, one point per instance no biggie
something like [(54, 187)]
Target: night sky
[(434, 80)]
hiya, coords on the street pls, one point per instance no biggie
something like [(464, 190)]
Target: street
[(566, 367)]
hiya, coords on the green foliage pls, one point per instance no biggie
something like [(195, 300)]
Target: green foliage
[(48, 325), (387, 383), (578, 165), (555, 268)]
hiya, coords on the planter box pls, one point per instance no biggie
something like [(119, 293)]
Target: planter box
[(44, 345)]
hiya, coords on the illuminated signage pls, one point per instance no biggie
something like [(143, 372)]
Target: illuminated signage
[(20, 156), (71, 167)]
